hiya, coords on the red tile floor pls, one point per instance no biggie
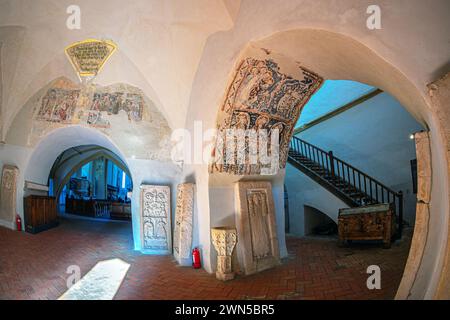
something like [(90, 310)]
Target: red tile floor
[(34, 267)]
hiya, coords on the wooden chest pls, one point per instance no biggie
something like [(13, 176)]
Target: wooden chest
[(40, 213), (374, 222)]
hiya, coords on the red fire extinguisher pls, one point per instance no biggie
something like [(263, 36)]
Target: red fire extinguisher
[(196, 259), (18, 223)]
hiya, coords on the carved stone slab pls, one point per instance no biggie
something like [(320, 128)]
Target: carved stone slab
[(182, 237), (423, 153), (156, 219), (256, 226), (261, 97), (8, 201)]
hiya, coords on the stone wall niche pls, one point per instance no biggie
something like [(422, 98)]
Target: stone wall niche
[(8, 191), (156, 219), (182, 234), (256, 226)]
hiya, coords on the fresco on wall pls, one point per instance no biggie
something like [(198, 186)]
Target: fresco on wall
[(58, 105), (120, 111), (261, 97)]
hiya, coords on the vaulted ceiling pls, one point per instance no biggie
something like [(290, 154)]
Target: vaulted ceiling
[(159, 46)]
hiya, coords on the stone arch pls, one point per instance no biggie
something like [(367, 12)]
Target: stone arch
[(337, 56), (40, 161), (80, 161)]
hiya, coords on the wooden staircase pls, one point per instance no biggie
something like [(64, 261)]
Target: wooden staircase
[(351, 185)]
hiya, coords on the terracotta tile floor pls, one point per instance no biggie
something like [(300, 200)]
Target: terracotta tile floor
[(34, 267)]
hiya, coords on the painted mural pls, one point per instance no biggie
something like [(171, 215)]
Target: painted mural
[(88, 56), (112, 103), (59, 105), (261, 97), (120, 111)]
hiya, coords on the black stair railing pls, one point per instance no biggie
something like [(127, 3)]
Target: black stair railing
[(358, 186)]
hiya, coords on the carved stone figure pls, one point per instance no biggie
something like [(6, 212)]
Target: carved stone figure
[(256, 226), (261, 97), (182, 237), (224, 240), (8, 209), (156, 219)]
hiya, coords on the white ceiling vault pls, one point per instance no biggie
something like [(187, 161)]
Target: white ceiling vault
[(159, 46)]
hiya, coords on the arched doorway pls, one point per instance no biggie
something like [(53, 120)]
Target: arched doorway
[(363, 65), (92, 181), (63, 152)]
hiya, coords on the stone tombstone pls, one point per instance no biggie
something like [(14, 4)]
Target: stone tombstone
[(224, 240), (156, 219), (182, 237), (256, 226), (8, 191)]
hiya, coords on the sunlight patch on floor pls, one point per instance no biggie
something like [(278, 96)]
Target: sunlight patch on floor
[(101, 283)]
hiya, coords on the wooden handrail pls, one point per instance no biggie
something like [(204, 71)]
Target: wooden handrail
[(345, 172)]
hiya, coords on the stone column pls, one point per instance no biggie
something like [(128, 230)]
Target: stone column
[(224, 240)]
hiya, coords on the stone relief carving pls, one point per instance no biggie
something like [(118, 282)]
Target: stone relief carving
[(8, 191), (224, 240), (423, 154), (182, 237), (261, 97), (58, 105), (256, 226), (156, 219)]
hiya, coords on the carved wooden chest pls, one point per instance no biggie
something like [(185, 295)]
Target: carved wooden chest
[(374, 222)]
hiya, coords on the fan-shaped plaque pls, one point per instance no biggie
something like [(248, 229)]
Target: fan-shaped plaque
[(89, 56)]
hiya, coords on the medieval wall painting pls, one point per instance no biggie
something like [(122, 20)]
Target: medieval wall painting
[(156, 219), (256, 225), (86, 104), (8, 191), (131, 103), (182, 238), (261, 97), (120, 111)]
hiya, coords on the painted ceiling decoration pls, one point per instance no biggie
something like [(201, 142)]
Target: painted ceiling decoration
[(261, 97), (89, 56)]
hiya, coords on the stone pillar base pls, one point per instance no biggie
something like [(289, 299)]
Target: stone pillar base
[(224, 276)]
